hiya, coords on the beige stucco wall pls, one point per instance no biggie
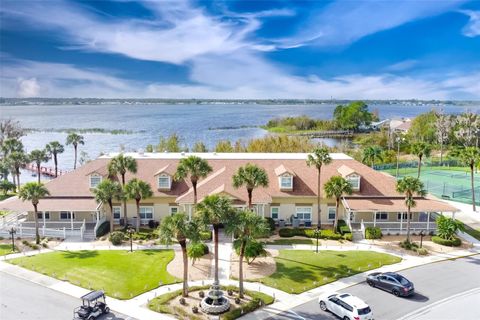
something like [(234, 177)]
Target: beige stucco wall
[(55, 216), (161, 207), (392, 217)]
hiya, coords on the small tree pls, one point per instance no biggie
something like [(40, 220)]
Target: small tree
[(251, 176), (448, 227), (6, 186), (53, 149), (38, 156), (33, 191), (420, 149), (253, 250), (75, 140), (336, 187), (410, 186), (120, 165), (138, 190), (17, 160), (371, 154), (319, 158), (105, 193)]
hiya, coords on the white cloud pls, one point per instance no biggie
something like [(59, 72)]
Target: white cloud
[(28, 88), (472, 29), (402, 65)]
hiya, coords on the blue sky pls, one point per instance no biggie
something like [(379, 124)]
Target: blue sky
[(241, 49)]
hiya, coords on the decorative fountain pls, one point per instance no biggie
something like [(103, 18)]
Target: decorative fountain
[(215, 302)]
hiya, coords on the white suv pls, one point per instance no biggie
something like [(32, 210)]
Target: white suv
[(346, 306)]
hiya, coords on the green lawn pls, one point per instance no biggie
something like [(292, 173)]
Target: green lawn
[(120, 273), (5, 249), (300, 270), (292, 241)]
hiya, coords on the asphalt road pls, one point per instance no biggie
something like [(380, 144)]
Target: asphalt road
[(24, 300), (433, 283)]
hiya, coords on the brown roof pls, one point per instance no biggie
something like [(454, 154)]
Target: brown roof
[(397, 205), (168, 169), (345, 171), (51, 204), (281, 169)]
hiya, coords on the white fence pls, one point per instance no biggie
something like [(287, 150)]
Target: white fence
[(397, 227), (54, 230)]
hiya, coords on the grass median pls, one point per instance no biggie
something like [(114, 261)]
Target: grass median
[(301, 270), (121, 274)]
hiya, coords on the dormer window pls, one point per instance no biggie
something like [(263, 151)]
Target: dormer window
[(286, 182), (164, 182), (95, 180), (354, 180)]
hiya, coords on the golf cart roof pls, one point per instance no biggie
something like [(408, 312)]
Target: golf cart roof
[(94, 295)]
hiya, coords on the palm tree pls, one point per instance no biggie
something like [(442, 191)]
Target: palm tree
[(251, 176), (410, 186), (120, 165), (214, 210), (318, 158), (6, 186), (74, 139), (53, 149), (371, 154), (11, 145), (105, 192), (178, 227), (38, 156), (470, 156), (17, 160), (137, 189), (420, 149), (336, 187), (33, 191), (245, 226), (195, 168)]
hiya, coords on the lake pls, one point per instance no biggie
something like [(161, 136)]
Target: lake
[(148, 122)]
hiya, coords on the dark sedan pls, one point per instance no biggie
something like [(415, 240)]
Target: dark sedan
[(391, 282)]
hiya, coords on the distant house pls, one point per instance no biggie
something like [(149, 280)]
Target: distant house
[(400, 125), (291, 194)]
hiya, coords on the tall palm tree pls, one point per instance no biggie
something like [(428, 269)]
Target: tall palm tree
[(318, 158), (17, 160), (33, 191), (410, 186), (178, 227), (53, 149), (470, 156), (250, 176), (371, 154), (245, 226), (74, 140), (214, 210), (420, 149), (137, 189), (11, 145), (105, 192), (120, 165), (194, 167), (38, 156), (336, 187)]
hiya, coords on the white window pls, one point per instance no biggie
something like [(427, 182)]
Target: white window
[(381, 216), (354, 181), (173, 210), (274, 212), (331, 213), (304, 213), (117, 211), (42, 215), (66, 215), (399, 216), (163, 181), (286, 182), (146, 213), (95, 180)]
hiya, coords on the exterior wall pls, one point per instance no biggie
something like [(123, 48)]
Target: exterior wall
[(161, 208), (55, 216), (392, 217)]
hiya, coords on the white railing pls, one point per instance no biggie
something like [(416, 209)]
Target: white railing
[(401, 227), (11, 219)]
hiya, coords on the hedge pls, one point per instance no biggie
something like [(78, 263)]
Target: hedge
[(342, 227), (116, 238), (456, 242), (309, 233), (373, 233), (103, 229)]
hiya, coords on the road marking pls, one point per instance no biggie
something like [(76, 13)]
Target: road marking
[(439, 302)]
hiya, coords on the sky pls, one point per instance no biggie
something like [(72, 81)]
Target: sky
[(241, 49)]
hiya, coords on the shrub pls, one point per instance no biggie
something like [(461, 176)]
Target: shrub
[(230, 292), (195, 309), (197, 250), (246, 308), (152, 224), (309, 233), (271, 223), (253, 249), (237, 300), (448, 227), (206, 235), (287, 232), (330, 235), (342, 227), (103, 229), (422, 251), (348, 236), (201, 294), (455, 242), (373, 233), (182, 301), (116, 237), (409, 245)]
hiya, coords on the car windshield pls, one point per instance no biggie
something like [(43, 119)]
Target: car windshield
[(401, 279), (364, 311)]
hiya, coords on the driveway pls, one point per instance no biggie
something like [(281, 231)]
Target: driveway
[(21, 299), (433, 283)]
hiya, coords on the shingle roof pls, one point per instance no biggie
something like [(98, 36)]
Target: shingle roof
[(281, 169), (397, 205), (51, 204), (345, 171)]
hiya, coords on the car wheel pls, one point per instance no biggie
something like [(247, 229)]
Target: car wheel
[(107, 310), (346, 318), (396, 293), (371, 284), (323, 306)]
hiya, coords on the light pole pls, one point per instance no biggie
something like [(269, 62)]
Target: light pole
[(12, 232), (317, 235), (130, 232), (422, 234)]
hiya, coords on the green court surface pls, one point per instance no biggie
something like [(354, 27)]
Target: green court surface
[(447, 183)]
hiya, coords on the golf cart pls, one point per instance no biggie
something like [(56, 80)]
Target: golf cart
[(93, 306)]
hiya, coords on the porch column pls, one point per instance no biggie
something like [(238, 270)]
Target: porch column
[(401, 221), (71, 220), (374, 219), (189, 212), (43, 216), (263, 210), (428, 222)]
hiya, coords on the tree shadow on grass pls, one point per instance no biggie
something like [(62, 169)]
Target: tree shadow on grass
[(83, 254)]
